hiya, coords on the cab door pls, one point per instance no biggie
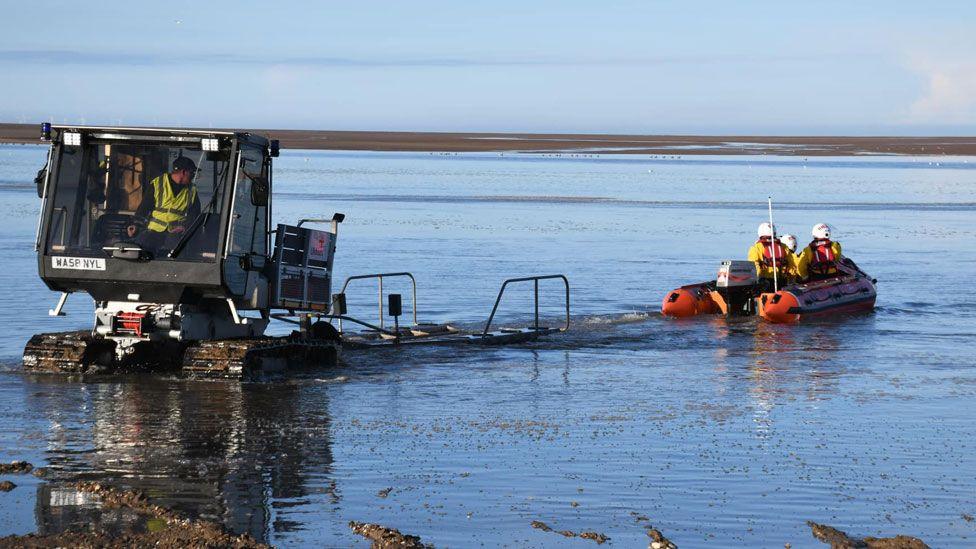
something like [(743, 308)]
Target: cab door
[(247, 237)]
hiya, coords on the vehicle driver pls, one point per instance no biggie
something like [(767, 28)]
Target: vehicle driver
[(173, 202), (762, 253), (819, 259)]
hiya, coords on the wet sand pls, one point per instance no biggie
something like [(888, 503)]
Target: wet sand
[(168, 528), (173, 529), (588, 143)]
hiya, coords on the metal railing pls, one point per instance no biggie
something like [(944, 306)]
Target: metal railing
[(536, 280), (380, 277)]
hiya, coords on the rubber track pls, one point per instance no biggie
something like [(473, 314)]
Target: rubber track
[(77, 353), (60, 353), (250, 358)]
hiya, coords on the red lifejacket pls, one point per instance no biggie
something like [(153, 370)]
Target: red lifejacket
[(771, 247), (824, 259)]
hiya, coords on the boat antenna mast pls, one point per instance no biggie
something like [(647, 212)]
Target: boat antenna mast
[(772, 244)]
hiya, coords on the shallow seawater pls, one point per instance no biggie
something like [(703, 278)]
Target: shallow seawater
[(720, 432)]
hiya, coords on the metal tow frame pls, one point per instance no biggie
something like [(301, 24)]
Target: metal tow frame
[(380, 277), (536, 280)]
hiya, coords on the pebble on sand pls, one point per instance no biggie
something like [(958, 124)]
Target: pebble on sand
[(20, 467)]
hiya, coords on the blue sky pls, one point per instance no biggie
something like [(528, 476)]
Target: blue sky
[(605, 67)]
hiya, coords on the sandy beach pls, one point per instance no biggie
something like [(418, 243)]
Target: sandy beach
[(588, 143)]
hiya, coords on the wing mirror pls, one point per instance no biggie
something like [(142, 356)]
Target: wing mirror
[(39, 181), (259, 190)]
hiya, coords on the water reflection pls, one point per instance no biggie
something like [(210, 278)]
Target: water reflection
[(218, 451), (777, 362)]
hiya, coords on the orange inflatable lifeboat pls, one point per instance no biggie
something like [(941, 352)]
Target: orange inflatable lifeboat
[(736, 291), (850, 292)]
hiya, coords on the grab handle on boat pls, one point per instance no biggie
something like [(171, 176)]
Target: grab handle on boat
[(535, 280), (379, 277)]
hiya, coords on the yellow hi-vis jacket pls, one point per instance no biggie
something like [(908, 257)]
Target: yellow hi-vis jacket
[(818, 258), (169, 207), (785, 266)]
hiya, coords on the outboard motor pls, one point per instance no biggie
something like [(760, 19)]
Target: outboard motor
[(738, 285)]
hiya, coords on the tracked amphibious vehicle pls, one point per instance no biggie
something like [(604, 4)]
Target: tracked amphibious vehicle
[(197, 296)]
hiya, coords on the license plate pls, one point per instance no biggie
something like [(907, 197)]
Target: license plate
[(78, 263)]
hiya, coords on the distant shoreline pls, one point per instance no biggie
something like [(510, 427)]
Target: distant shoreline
[(589, 143)]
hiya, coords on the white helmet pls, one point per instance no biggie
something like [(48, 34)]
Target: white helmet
[(821, 231), (766, 230), (789, 241)]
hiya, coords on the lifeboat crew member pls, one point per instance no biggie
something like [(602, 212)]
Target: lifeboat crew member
[(789, 241), (765, 250), (168, 203), (819, 259)]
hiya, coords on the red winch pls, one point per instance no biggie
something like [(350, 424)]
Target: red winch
[(132, 323)]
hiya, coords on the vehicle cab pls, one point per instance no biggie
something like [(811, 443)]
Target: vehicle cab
[(100, 187)]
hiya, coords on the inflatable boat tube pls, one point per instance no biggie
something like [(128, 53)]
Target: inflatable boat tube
[(690, 300), (841, 295)]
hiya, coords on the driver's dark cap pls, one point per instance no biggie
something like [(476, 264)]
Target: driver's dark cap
[(184, 163)]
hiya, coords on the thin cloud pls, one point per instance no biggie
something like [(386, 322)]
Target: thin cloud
[(950, 92), (67, 57)]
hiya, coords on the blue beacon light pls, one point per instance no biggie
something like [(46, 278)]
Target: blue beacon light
[(45, 131)]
